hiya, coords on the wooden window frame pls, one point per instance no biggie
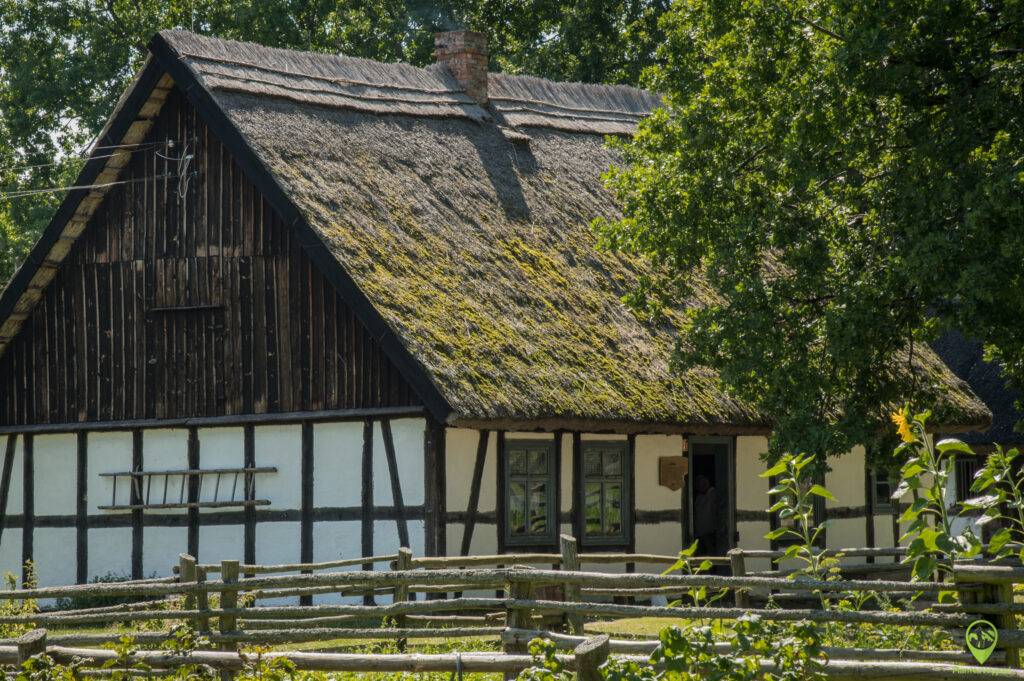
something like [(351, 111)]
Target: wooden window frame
[(878, 504), (625, 539), (552, 479), (965, 467)]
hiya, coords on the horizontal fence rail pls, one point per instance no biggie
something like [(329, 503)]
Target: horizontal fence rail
[(510, 599)]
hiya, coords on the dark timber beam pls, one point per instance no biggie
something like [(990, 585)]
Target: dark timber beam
[(82, 508), (28, 512), (396, 483), (5, 480), (249, 454), (193, 493), (473, 506), (367, 499), (499, 500), (212, 421), (306, 521), (577, 474), (434, 489), (136, 499)]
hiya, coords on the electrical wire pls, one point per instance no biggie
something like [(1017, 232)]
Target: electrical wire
[(51, 190), (87, 157)]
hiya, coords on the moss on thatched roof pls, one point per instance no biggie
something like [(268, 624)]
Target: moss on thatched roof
[(473, 244)]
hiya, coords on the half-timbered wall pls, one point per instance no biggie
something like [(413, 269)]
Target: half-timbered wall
[(334, 489), (186, 296), (473, 488)]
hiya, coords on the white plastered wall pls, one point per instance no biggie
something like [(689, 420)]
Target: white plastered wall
[(752, 496), (163, 450), (666, 536), (110, 548), (10, 542), (845, 481), (55, 478)]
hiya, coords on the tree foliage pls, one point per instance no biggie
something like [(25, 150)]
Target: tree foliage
[(64, 64), (848, 179)]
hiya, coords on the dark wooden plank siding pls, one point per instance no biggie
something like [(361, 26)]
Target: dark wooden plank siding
[(171, 307)]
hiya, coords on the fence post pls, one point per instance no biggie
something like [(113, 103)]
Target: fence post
[(999, 594), (403, 563), (228, 601), (202, 600), (590, 655), (31, 643), (516, 618), (739, 569), (1003, 595), (187, 575), (571, 592)]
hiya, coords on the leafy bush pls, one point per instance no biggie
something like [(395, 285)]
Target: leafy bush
[(759, 650), (89, 601)]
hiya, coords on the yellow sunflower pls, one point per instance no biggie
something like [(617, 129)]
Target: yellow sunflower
[(903, 429)]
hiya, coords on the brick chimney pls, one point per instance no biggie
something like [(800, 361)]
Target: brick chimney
[(465, 55)]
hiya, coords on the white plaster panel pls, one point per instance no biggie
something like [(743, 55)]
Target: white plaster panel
[(386, 541), (337, 540), (161, 548), (55, 461), (222, 448), (483, 543), (280, 446), (407, 435), (752, 534), (110, 551), (460, 458), (751, 490), (845, 533), (109, 452), (54, 555), (278, 543), (846, 479), (221, 542), (883, 531), (10, 553), (603, 437), (337, 464), (166, 449), (661, 538), (649, 494), (533, 436), (16, 496)]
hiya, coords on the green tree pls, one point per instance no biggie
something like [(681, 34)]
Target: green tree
[(843, 180), (64, 64)]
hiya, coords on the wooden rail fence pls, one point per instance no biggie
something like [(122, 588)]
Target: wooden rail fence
[(508, 598)]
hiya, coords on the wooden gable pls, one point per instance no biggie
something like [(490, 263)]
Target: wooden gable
[(188, 296)]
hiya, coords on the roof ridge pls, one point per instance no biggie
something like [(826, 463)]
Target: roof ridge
[(524, 88)]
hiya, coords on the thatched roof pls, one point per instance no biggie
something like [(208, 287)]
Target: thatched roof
[(965, 357), (465, 229)]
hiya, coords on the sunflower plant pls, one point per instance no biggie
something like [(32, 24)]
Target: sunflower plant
[(1000, 486), (925, 474)]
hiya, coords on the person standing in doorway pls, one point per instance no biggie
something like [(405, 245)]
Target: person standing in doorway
[(705, 516)]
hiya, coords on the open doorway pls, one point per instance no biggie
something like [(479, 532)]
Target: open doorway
[(710, 494)]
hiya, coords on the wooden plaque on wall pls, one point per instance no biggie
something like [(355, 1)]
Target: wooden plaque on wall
[(671, 470)]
